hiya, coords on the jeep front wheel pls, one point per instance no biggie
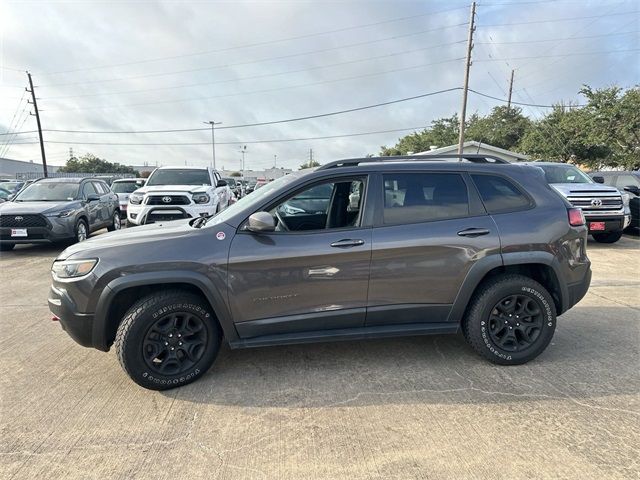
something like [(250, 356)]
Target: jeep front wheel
[(510, 320), (167, 339)]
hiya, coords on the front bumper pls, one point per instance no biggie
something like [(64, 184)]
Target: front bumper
[(143, 214), (55, 230), (78, 325), (611, 224)]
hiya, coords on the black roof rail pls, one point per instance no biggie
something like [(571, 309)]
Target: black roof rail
[(470, 157)]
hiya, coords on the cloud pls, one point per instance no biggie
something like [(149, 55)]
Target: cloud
[(75, 36)]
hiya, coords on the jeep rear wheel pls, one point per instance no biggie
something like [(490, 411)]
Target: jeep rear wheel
[(167, 339), (608, 237), (510, 320)]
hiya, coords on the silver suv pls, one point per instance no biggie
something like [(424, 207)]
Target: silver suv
[(605, 208)]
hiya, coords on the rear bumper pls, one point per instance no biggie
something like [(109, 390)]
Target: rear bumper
[(576, 291), (78, 325)]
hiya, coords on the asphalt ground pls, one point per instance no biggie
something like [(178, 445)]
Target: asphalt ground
[(422, 407)]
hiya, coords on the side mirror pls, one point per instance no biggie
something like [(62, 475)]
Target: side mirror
[(92, 197), (221, 183), (261, 222), (598, 179), (633, 189)]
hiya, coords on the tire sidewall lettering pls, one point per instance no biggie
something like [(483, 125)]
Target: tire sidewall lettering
[(549, 322)]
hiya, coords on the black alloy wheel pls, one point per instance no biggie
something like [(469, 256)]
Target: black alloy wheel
[(174, 343), (515, 323)]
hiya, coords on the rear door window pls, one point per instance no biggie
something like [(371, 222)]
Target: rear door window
[(499, 195), (424, 197)]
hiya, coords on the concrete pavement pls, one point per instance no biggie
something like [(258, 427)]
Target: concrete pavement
[(423, 407)]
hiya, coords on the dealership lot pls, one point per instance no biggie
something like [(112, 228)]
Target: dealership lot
[(422, 407)]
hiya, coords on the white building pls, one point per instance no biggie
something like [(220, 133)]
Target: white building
[(252, 175), (479, 148), (9, 168)]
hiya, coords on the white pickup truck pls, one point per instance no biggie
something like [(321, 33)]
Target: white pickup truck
[(172, 193)]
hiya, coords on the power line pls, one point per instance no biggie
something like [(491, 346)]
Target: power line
[(521, 103), (256, 44), (264, 75), (277, 140), (555, 20), (288, 120), (575, 54), (280, 57), (518, 42), (269, 90)]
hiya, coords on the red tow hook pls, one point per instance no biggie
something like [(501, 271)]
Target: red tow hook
[(55, 318)]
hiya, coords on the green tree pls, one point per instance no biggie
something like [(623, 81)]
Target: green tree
[(89, 163), (504, 127), (235, 174), (605, 132), (309, 164)]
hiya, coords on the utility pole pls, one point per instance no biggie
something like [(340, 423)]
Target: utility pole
[(213, 140), (37, 115), (465, 90), (310, 157), (510, 90), (243, 150), (275, 161)]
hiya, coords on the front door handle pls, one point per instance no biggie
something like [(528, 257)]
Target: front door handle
[(473, 232), (347, 242)]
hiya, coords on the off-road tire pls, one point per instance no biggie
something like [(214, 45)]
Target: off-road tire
[(476, 324), (112, 227), (142, 316), (607, 237)]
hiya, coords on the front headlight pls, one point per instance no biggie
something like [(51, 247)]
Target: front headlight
[(61, 214), (135, 198), (64, 269), (625, 199), (201, 198)]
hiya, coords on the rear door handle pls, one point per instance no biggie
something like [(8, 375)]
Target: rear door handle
[(473, 232), (347, 242)]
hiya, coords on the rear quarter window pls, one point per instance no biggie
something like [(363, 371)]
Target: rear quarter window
[(424, 197), (500, 195)]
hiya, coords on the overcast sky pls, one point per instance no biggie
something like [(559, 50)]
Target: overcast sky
[(140, 65)]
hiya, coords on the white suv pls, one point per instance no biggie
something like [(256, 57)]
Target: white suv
[(172, 193)]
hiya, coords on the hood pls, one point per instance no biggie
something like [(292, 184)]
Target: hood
[(571, 188), (154, 232), (172, 188), (14, 208)]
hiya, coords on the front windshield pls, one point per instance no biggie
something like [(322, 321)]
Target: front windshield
[(253, 199), (11, 186), (4, 194), (124, 187), (49, 192), (565, 174), (177, 176)]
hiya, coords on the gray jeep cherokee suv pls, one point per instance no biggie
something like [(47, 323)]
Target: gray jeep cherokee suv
[(400, 246)]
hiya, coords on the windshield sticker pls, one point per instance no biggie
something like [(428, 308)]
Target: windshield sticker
[(220, 236)]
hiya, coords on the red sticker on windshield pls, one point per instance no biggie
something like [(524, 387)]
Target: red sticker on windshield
[(220, 236)]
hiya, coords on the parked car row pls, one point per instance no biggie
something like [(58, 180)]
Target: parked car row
[(51, 210)]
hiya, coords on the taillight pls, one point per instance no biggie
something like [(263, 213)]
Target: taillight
[(576, 217)]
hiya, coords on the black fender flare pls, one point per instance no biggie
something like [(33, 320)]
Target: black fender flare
[(200, 281), (483, 266)]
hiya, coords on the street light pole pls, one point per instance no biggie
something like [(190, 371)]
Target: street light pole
[(243, 150), (213, 140)]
